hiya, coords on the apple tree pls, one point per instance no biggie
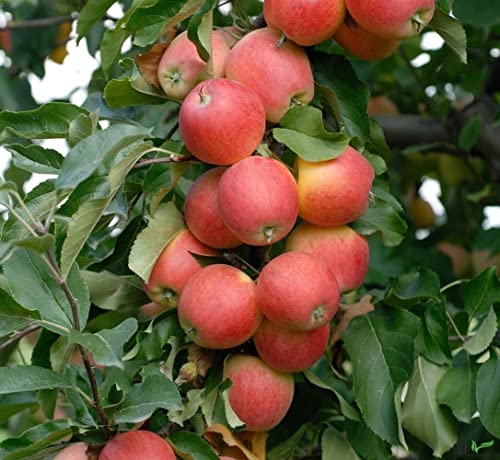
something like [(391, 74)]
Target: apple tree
[(306, 298)]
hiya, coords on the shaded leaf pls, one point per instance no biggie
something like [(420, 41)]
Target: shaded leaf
[(334, 445), (348, 313), (414, 288), (481, 293), (29, 378), (192, 446), (82, 126), (488, 395), (452, 33), (36, 159), (92, 12)]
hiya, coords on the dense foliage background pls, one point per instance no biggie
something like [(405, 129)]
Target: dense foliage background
[(85, 241)]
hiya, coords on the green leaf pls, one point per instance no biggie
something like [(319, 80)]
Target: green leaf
[(334, 445), (92, 12), (481, 293), (192, 445), (488, 395), (366, 443), (414, 288), (107, 344), (156, 392), (9, 324), (200, 29), (123, 93), (29, 378), (162, 227), (35, 243), (469, 134), (457, 387), (452, 33), (111, 45), (486, 16), (484, 335), (49, 121), (346, 94), (82, 126), (12, 404), (422, 415), (36, 159), (45, 295), (381, 347)]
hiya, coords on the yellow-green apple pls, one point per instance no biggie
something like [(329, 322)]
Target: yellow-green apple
[(259, 395), (392, 19), (202, 212), (258, 200), (422, 213), (290, 351), (222, 121), (218, 308), (181, 67), (305, 22), (344, 251), (334, 192), (76, 451), (297, 291), (363, 44), (381, 105), (280, 75), (138, 444), (174, 267), (230, 34)]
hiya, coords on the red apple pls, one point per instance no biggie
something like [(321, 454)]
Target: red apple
[(280, 75), (290, 351), (381, 105), (222, 121), (202, 212), (392, 19), (334, 192), (230, 34), (363, 44), (259, 395), (306, 22), (218, 308), (77, 451), (258, 200), (139, 444), (297, 291), (174, 267), (181, 67), (345, 252)]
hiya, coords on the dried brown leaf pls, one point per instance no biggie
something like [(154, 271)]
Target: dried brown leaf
[(148, 63), (348, 313), (202, 357)]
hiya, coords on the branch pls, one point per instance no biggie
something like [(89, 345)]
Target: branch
[(36, 23), (156, 161), (19, 335)]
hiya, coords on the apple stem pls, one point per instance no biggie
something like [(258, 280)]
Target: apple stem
[(281, 41), (418, 21)]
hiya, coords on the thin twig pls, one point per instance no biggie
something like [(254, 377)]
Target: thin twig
[(156, 161), (19, 335), (460, 336), (36, 23)]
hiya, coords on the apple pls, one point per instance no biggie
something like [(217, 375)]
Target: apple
[(222, 121), (76, 451), (305, 22), (174, 267), (202, 212), (150, 310), (422, 213), (381, 105), (138, 444), (218, 308), (363, 44), (290, 351), (392, 19), (181, 67), (259, 395), (297, 291), (230, 34), (462, 261), (334, 192), (258, 200), (344, 251), (280, 75)]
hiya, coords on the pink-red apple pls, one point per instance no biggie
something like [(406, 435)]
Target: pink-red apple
[(202, 212), (181, 67), (76, 451), (334, 192), (305, 22), (297, 291), (290, 351), (174, 267), (381, 105), (258, 200), (218, 308), (392, 19), (280, 75), (259, 395), (222, 121), (230, 34), (344, 251), (139, 444)]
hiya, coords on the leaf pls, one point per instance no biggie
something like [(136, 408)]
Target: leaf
[(35, 243), (469, 134), (414, 288), (486, 16), (49, 121), (9, 324), (45, 295), (334, 445), (381, 347), (252, 445), (162, 227), (348, 313), (82, 126), (29, 378), (83, 159), (346, 94), (36, 159), (124, 93), (484, 336), (200, 30), (422, 415), (488, 395), (191, 446), (457, 388), (111, 45), (107, 344), (92, 11), (156, 392), (147, 63), (481, 293), (12, 404), (452, 33)]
